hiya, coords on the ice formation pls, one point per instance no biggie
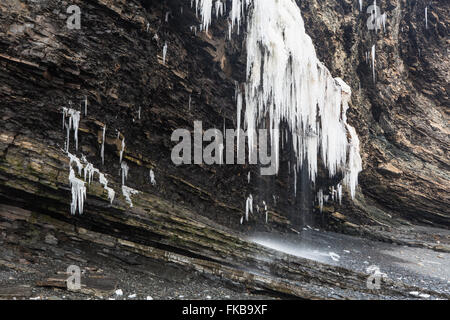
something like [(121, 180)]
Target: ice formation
[(89, 172), (124, 170), (373, 63), (85, 105), (111, 193), (205, 8), (248, 206), (219, 8), (78, 193), (78, 185), (360, 5), (164, 53), (102, 151), (287, 84), (426, 17), (127, 193), (74, 121), (152, 178), (122, 149), (320, 199), (72, 159)]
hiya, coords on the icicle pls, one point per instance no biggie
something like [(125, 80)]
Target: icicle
[(248, 206), (89, 172), (127, 193), (78, 193), (295, 180), (339, 193), (426, 17), (248, 177), (102, 151), (373, 63), (266, 211), (102, 179), (74, 121), (67, 139), (139, 113), (85, 106), (239, 108), (320, 199), (72, 159), (219, 8), (123, 148), (383, 21), (354, 165), (360, 5), (286, 83), (152, 178), (164, 52), (205, 11), (124, 170), (111, 193), (64, 114)]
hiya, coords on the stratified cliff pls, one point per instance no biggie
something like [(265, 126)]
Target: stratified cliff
[(115, 62)]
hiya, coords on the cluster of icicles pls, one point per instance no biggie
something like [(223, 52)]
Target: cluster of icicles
[(87, 171), (287, 84)]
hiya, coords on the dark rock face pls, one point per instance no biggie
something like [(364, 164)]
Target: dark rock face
[(116, 61), (402, 119)]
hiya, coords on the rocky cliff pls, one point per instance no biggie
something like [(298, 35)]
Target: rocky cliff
[(115, 64)]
